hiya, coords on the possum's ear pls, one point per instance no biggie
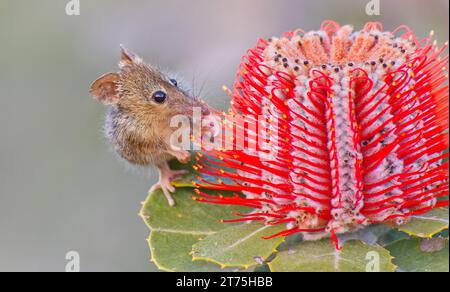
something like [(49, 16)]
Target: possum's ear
[(104, 89), (128, 58)]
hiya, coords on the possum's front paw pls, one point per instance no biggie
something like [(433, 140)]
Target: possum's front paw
[(166, 176)]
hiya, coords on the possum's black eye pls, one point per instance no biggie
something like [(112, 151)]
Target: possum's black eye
[(159, 96), (174, 82)]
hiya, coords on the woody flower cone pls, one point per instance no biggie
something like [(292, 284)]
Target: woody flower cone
[(355, 131)]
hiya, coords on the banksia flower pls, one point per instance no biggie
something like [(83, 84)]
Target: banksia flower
[(352, 130)]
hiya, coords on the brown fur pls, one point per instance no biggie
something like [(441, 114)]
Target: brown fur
[(137, 126)]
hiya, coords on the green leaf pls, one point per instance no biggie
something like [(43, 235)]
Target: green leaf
[(428, 224), (262, 269), (313, 256), (188, 216), (187, 179), (290, 241), (170, 252), (443, 234), (176, 229), (238, 246), (369, 235), (410, 258), (392, 236)]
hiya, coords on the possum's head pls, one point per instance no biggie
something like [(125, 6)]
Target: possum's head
[(143, 92)]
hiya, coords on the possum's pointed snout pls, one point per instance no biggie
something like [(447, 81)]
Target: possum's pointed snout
[(201, 107), (205, 110)]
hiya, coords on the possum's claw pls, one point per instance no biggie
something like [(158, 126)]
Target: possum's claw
[(166, 175), (167, 189)]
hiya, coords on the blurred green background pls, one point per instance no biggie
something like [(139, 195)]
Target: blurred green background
[(61, 188)]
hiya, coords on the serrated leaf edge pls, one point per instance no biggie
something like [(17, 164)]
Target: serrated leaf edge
[(157, 264), (421, 235), (397, 269)]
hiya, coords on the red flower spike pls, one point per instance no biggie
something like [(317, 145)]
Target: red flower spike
[(356, 128)]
